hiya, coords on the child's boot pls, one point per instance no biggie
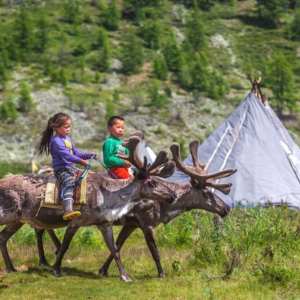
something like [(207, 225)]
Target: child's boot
[(69, 213)]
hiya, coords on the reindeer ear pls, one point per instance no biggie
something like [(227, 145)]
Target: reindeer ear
[(138, 134)]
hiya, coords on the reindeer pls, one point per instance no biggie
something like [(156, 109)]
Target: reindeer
[(107, 200), (148, 214)]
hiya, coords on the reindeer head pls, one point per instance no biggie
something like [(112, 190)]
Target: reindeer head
[(200, 180), (256, 89), (148, 175)]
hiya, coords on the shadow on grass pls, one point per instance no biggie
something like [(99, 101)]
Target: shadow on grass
[(67, 271)]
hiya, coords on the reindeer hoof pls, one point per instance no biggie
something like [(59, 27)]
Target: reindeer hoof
[(44, 264), (11, 270), (125, 278), (57, 272), (161, 275), (103, 272)]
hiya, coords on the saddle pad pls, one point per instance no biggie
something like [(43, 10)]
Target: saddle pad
[(53, 192)]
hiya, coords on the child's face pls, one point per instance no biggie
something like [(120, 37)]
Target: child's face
[(64, 130), (118, 129)]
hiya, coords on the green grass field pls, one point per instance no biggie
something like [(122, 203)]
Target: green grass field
[(254, 254)]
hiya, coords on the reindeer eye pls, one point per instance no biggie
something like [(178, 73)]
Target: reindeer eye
[(152, 184), (206, 193)]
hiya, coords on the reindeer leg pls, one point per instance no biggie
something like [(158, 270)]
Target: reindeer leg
[(39, 241), (54, 239), (5, 234), (107, 233), (125, 232), (70, 232), (150, 239)]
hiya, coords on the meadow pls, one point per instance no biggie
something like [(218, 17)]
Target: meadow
[(252, 254)]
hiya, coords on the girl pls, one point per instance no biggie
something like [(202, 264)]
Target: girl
[(54, 140)]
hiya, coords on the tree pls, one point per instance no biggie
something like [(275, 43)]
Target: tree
[(25, 100), (295, 26), (105, 57), (72, 10), (48, 68), (157, 96), (160, 69), (102, 37), (110, 109), (195, 31), (23, 37), (112, 16), (42, 35), (282, 82), (199, 73), (270, 11), (132, 57), (151, 32), (172, 52), (8, 111)]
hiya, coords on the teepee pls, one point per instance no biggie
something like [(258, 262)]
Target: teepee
[(254, 141)]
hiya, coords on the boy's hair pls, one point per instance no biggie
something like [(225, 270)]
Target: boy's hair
[(57, 120), (111, 120)]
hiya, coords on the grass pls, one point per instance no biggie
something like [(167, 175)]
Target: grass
[(252, 254)]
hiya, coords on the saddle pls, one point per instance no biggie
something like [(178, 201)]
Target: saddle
[(53, 191)]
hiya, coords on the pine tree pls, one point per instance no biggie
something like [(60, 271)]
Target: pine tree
[(25, 101), (72, 10), (8, 111), (172, 52), (112, 16), (3, 73), (199, 73), (270, 11), (97, 76), (42, 35), (282, 82), (160, 69), (62, 77), (132, 57), (195, 31), (185, 76), (295, 26), (105, 57), (48, 68), (23, 28), (157, 97), (151, 32), (110, 109), (102, 38)]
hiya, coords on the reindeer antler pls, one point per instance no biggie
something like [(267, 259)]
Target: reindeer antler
[(161, 167), (197, 172), (256, 89)]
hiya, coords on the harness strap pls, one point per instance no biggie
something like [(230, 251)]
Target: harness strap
[(80, 177), (145, 181)]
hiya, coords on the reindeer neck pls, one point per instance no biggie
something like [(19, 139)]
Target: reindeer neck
[(185, 203)]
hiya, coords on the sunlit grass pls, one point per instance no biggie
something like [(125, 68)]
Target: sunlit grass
[(257, 248)]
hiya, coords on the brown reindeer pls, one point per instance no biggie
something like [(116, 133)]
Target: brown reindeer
[(149, 214), (107, 200)]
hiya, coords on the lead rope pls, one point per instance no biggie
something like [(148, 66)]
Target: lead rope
[(80, 178)]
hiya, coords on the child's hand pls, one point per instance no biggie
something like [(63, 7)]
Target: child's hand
[(84, 162), (127, 164), (91, 154)]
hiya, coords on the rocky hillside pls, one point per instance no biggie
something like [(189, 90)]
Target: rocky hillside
[(234, 44)]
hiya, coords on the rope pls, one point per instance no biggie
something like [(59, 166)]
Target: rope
[(108, 170), (80, 178)]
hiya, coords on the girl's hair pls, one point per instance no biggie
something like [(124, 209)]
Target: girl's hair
[(57, 120)]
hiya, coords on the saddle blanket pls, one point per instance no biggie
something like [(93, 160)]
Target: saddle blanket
[(53, 194)]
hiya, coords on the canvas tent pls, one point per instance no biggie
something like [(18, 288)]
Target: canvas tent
[(254, 141), (145, 150)]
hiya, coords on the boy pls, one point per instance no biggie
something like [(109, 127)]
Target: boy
[(113, 146)]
